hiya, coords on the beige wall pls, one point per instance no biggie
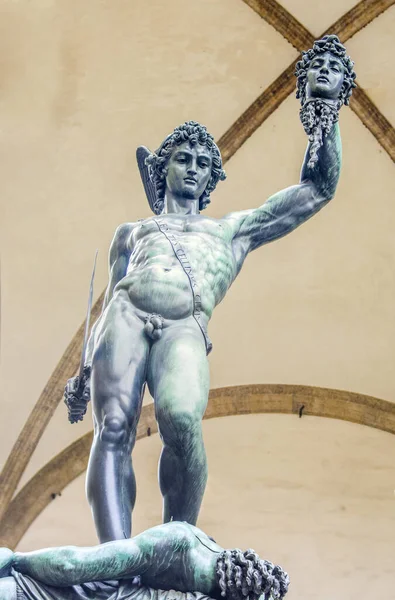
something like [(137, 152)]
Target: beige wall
[(82, 85)]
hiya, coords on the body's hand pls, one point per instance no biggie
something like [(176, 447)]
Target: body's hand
[(6, 560), (76, 397)]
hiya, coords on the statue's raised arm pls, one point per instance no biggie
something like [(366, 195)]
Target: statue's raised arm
[(325, 81)]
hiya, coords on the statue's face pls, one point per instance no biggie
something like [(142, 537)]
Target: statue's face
[(325, 77), (188, 170)]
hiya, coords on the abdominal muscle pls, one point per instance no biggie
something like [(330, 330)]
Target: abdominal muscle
[(158, 289), (157, 283)]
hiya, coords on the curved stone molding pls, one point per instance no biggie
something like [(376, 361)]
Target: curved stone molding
[(358, 17), (283, 22), (223, 402), (374, 120), (296, 34)]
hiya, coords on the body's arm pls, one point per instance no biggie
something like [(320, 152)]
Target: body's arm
[(71, 565), (76, 397), (291, 207)]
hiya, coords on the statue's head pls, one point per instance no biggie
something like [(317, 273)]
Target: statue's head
[(326, 72), (245, 576), (167, 164)]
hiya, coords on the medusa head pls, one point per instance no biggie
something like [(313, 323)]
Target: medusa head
[(325, 79)]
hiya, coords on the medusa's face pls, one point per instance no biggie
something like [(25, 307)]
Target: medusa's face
[(325, 77)]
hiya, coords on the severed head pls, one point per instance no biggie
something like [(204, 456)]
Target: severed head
[(246, 576), (325, 79)]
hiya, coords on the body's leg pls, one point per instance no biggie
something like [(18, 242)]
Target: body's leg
[(178, 377), (7, 589), (118, 376)]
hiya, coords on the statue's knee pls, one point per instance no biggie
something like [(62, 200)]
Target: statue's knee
[(115, 430)]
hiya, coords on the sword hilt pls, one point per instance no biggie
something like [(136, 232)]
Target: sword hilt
[(76, 396)]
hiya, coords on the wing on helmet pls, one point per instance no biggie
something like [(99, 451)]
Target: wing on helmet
[(141, 154)]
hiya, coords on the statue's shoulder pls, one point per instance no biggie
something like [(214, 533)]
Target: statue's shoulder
[(234, 220), (120, 241), (122, 234), (124, 230), (216, 227)]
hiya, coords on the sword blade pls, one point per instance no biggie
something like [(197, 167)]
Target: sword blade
[(87, 321)]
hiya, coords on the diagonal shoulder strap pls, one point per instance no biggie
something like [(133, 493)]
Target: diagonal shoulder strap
[(186, 265)]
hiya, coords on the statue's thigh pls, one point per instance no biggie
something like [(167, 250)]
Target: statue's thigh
[(7, 588), (119, 361), (178, 374)]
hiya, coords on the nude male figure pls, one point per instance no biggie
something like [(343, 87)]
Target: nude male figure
[(167, 274)]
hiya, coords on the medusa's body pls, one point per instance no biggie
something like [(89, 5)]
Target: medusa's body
[(174, 556)]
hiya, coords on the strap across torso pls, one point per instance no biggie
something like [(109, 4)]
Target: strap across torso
[(186, 265)]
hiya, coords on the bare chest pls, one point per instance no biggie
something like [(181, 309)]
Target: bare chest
[(204, 243), (182, 226)]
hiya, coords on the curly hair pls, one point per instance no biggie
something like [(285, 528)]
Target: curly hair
[(245, 576), (319, 115), (194, 133)]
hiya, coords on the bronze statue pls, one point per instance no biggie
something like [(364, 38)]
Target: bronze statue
[(167, 274), (174, 556)]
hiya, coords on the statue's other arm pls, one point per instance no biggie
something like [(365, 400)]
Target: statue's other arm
[(76, 397), (291, 207), (118, 264)]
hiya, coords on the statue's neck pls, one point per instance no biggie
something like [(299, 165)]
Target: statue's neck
[(181, 206)]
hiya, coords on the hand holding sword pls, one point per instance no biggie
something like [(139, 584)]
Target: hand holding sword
[(77, 390)]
